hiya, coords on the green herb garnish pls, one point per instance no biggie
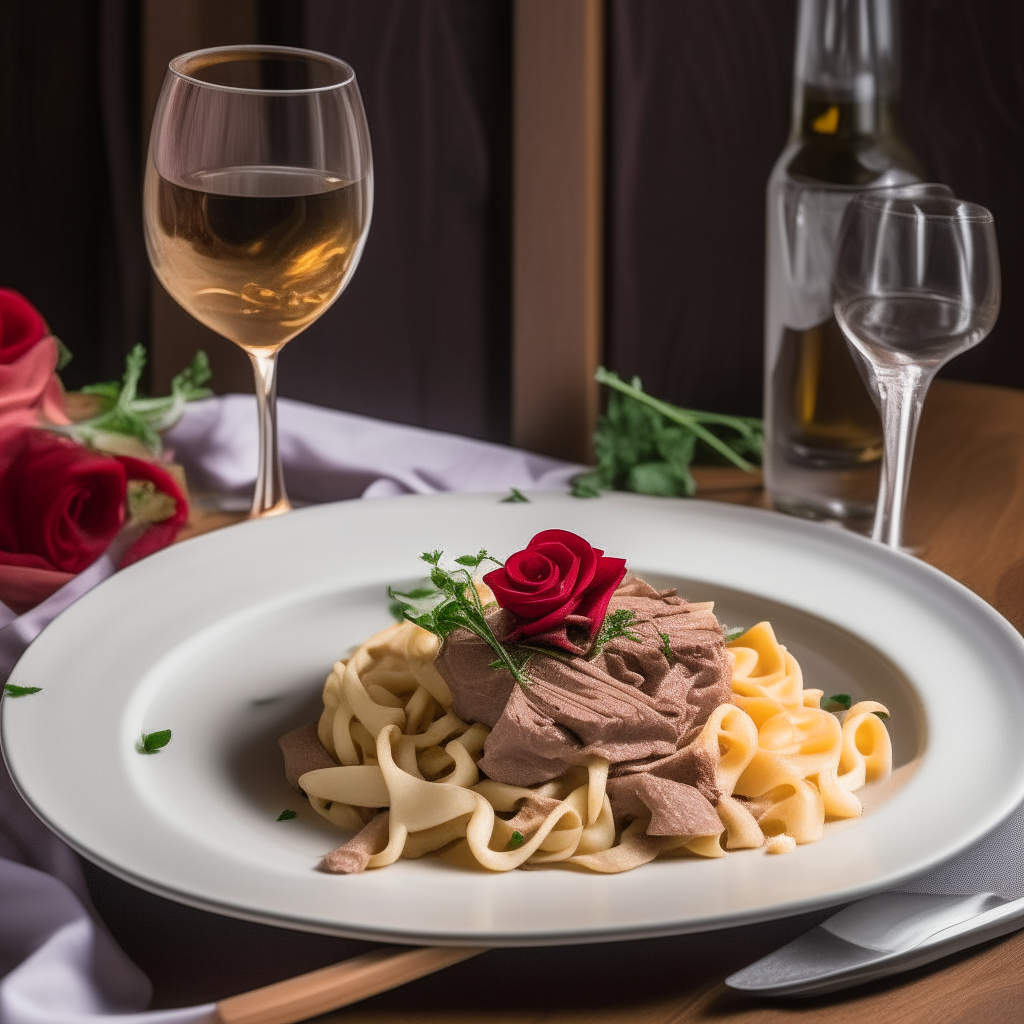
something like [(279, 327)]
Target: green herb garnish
[(152, 742), (837, 702), (615, 625), (734, 633), (666, 648), (124, 414), (398, 607), (882, 715), (514, 496), (286, 816), (453, 604), (13, 690), (516, 840), (647, 446)]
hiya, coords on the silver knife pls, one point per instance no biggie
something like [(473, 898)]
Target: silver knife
[(878, 936)]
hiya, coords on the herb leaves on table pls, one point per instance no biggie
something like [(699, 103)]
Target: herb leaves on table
[(153, 742), (645, 445), (13, 690)]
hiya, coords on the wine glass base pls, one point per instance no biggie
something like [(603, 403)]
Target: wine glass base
[(277, 509)]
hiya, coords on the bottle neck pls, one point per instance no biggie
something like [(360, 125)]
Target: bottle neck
[(846, 75)]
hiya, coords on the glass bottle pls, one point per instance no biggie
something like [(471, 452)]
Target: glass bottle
[(823, 436)]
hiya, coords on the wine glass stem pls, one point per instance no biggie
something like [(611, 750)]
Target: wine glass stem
[(269, 497), (902, 390)]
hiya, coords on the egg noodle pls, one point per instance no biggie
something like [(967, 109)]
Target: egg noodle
[(783, 767)]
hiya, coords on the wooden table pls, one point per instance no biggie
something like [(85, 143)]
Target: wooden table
[(966, 517)]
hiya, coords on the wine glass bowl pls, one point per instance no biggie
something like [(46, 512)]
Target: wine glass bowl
[(258, 197), (916, 283)]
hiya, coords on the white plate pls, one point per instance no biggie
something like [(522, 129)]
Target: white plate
[(197, 638)]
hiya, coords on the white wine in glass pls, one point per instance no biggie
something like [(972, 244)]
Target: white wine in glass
[(258, 197)]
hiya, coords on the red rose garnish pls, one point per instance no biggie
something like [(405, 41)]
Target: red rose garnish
[(60, 503), (557, 581)]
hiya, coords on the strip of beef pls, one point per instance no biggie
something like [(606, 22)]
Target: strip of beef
[(638, 703)]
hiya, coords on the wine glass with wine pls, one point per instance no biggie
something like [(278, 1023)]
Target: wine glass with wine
[(258, 195), (916, 283)]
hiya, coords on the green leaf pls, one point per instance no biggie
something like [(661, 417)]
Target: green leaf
[(151, 742), (516, 840), (615, 624), (734, 633), (882, 715), (148, 505), (646, 445), (123, 412), (659, 478), (455, 604), (666, 648), (191, 379), (586, 485), (837, 702), (64, 354), (106, 392), (514, 496), (13, 690), (286, 816)]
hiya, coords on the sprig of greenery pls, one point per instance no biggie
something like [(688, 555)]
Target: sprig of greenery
[(152, 742), (733, 633), (615, 624), (646, 445), (453, 604), (516, 840), (286, 816), (514, 496), (666, 648), (124, 414), (837, 702), (13, 690)]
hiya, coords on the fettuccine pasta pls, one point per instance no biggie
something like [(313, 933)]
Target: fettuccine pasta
[(392, 761)]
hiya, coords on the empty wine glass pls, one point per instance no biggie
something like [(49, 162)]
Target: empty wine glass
[(259, 188), (916, 283)]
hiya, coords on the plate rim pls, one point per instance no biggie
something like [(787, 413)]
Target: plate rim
[(999, 807)]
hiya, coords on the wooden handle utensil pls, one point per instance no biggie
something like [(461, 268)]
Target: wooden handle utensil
[(342, 984)]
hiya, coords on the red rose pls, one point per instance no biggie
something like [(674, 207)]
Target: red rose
[(558, 581), (60, 503)]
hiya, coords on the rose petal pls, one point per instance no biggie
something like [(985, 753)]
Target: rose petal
[(21, 325), (594, 605), (530, 571), (531, 603), (559, 579), (30, 391)]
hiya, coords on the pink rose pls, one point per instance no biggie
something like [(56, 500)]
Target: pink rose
[(557, 582)]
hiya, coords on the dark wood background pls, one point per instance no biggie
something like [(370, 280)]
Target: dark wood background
[(698, 96)]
